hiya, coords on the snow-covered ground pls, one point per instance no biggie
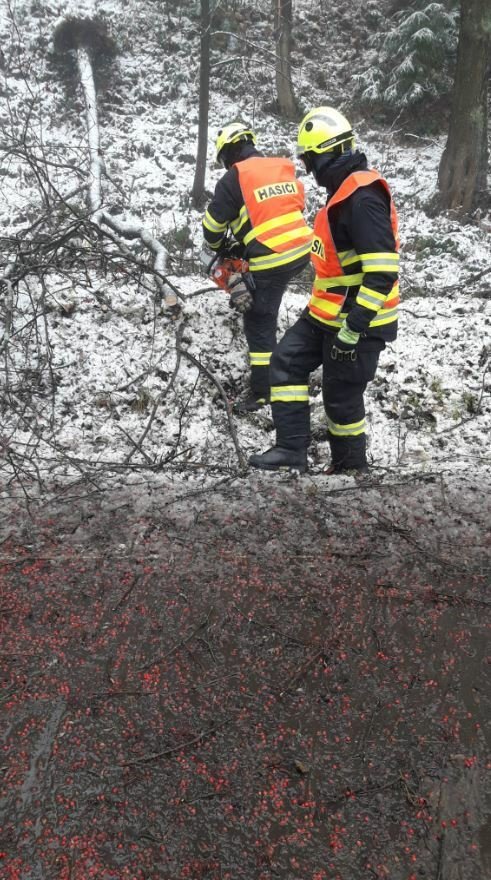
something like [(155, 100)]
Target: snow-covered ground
[(118, 395)]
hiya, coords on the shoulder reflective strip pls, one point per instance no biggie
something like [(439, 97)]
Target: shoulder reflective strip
[(289, 235), (384, 316), (282, 220), (260, 358), (240, 221), (212, 224), (339, 281), (270, 261), (351, 430), (290, 394)]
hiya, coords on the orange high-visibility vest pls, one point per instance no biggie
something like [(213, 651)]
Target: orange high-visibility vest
[(326, 304), (274, 201)]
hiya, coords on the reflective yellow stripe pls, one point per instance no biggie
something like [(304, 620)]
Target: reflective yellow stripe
[(394, 294), (381, 267), (330, 309), (240, 221), (290, 394), (380, 262), (348, 257), (270, 261), (368, 303), (381, 297), (371, 299), (286, 236), (260, 358), (330, 322), (272, 224), (211, 224), (339, 281), (351, 430), (385, 316), (376, 255)]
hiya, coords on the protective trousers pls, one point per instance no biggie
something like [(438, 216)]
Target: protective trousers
[(260, 325), (303, 348)]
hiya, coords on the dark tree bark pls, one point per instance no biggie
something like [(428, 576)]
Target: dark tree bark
[(197, 192), (463, 167), (283, 34)]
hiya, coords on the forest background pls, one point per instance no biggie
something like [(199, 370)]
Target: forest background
[(208, 672)]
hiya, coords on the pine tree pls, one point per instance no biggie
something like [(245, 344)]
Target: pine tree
[(413, 56)]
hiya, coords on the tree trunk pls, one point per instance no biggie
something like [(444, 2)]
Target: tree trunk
[(283, 35), (463, 166), (197, 192)]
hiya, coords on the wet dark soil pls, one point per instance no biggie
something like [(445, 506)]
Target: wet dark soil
[(272, 678)]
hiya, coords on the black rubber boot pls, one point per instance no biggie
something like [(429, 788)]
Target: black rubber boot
[(348, 472), (250, 404), (348, 455), (278, 458)]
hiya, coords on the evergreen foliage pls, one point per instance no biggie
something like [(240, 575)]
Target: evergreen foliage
[(413, 57)]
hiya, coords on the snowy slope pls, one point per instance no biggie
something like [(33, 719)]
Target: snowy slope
[(112, 377)]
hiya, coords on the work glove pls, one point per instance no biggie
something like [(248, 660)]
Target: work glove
[(207, 257), (240, 295), (232, 249), (344, 345)]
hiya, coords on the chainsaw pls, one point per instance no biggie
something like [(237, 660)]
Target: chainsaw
[(231, 273), (224, 268)]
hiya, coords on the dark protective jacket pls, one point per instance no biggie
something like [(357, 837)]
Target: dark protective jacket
[(355, 255), (261, 201)]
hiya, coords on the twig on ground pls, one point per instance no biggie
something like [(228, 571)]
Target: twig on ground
[(204, 733), (162, 395), (228, 409), (302, 670), (204, 623), (127, 592)]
